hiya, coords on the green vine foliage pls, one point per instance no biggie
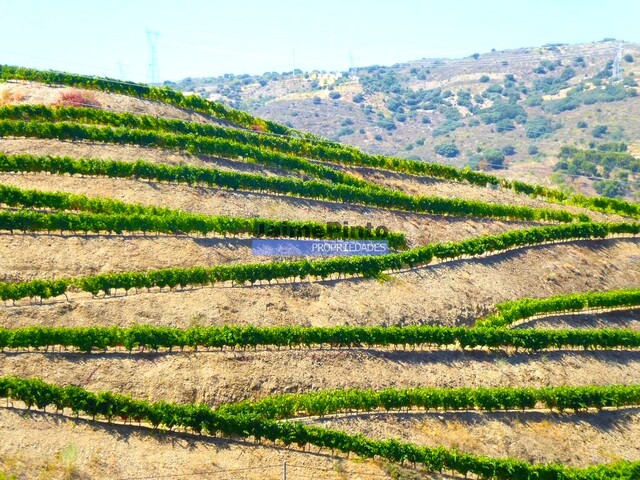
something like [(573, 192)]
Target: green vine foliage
[(371, 266), (521, 309), (201, 418), (308, 189), (191, 143), (174, 222), (165, 95), (306, 144), (88, 339)]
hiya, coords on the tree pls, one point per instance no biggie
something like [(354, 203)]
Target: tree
[(484, 79), (582, 124), (358, 98), (334, 95), (628, 58), (494, 157), (610, 188), (448, 150)]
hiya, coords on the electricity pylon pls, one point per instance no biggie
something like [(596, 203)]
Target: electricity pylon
[(153, 74)]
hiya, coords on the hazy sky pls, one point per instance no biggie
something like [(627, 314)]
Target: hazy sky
[(209, 37)]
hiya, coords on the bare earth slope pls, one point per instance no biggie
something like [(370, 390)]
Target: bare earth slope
[(48, 445)]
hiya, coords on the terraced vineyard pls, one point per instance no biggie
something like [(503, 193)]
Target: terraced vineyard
[(140, 338)]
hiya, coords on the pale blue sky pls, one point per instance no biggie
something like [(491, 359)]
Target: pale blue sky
[(208, 38)]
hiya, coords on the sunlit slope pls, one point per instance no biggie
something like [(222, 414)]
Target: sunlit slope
[(129, 207)]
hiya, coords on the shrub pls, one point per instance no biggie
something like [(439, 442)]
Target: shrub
[(538, 126), (533, 100), (599, 130), (378, 137), (447, 127), (334, 95), (509, 150), (78, 98), (533, 150), (386, 123), (495, 88), (448, 150), (344, 131), (582, 124), (505, 125), (358, 98), (628, 58), (484, 79), (579, 62), (317, 100), (501, 111), (548, 64)]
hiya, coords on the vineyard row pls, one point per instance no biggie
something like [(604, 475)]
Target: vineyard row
[(202, 419), (354, 266), (194, 144), (308, 189), (165, 95), (178, 223), (88, 339), (309, 145), (521, 309)]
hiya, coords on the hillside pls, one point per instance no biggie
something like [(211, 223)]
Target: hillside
[(141, 337), (511, 109)]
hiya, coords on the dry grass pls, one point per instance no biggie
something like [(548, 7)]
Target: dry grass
[(8, 97), (578, 440), (78, 98), (37, 93), (119, 452)]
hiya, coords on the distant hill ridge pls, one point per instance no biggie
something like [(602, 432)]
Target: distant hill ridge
[(510, 108)]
